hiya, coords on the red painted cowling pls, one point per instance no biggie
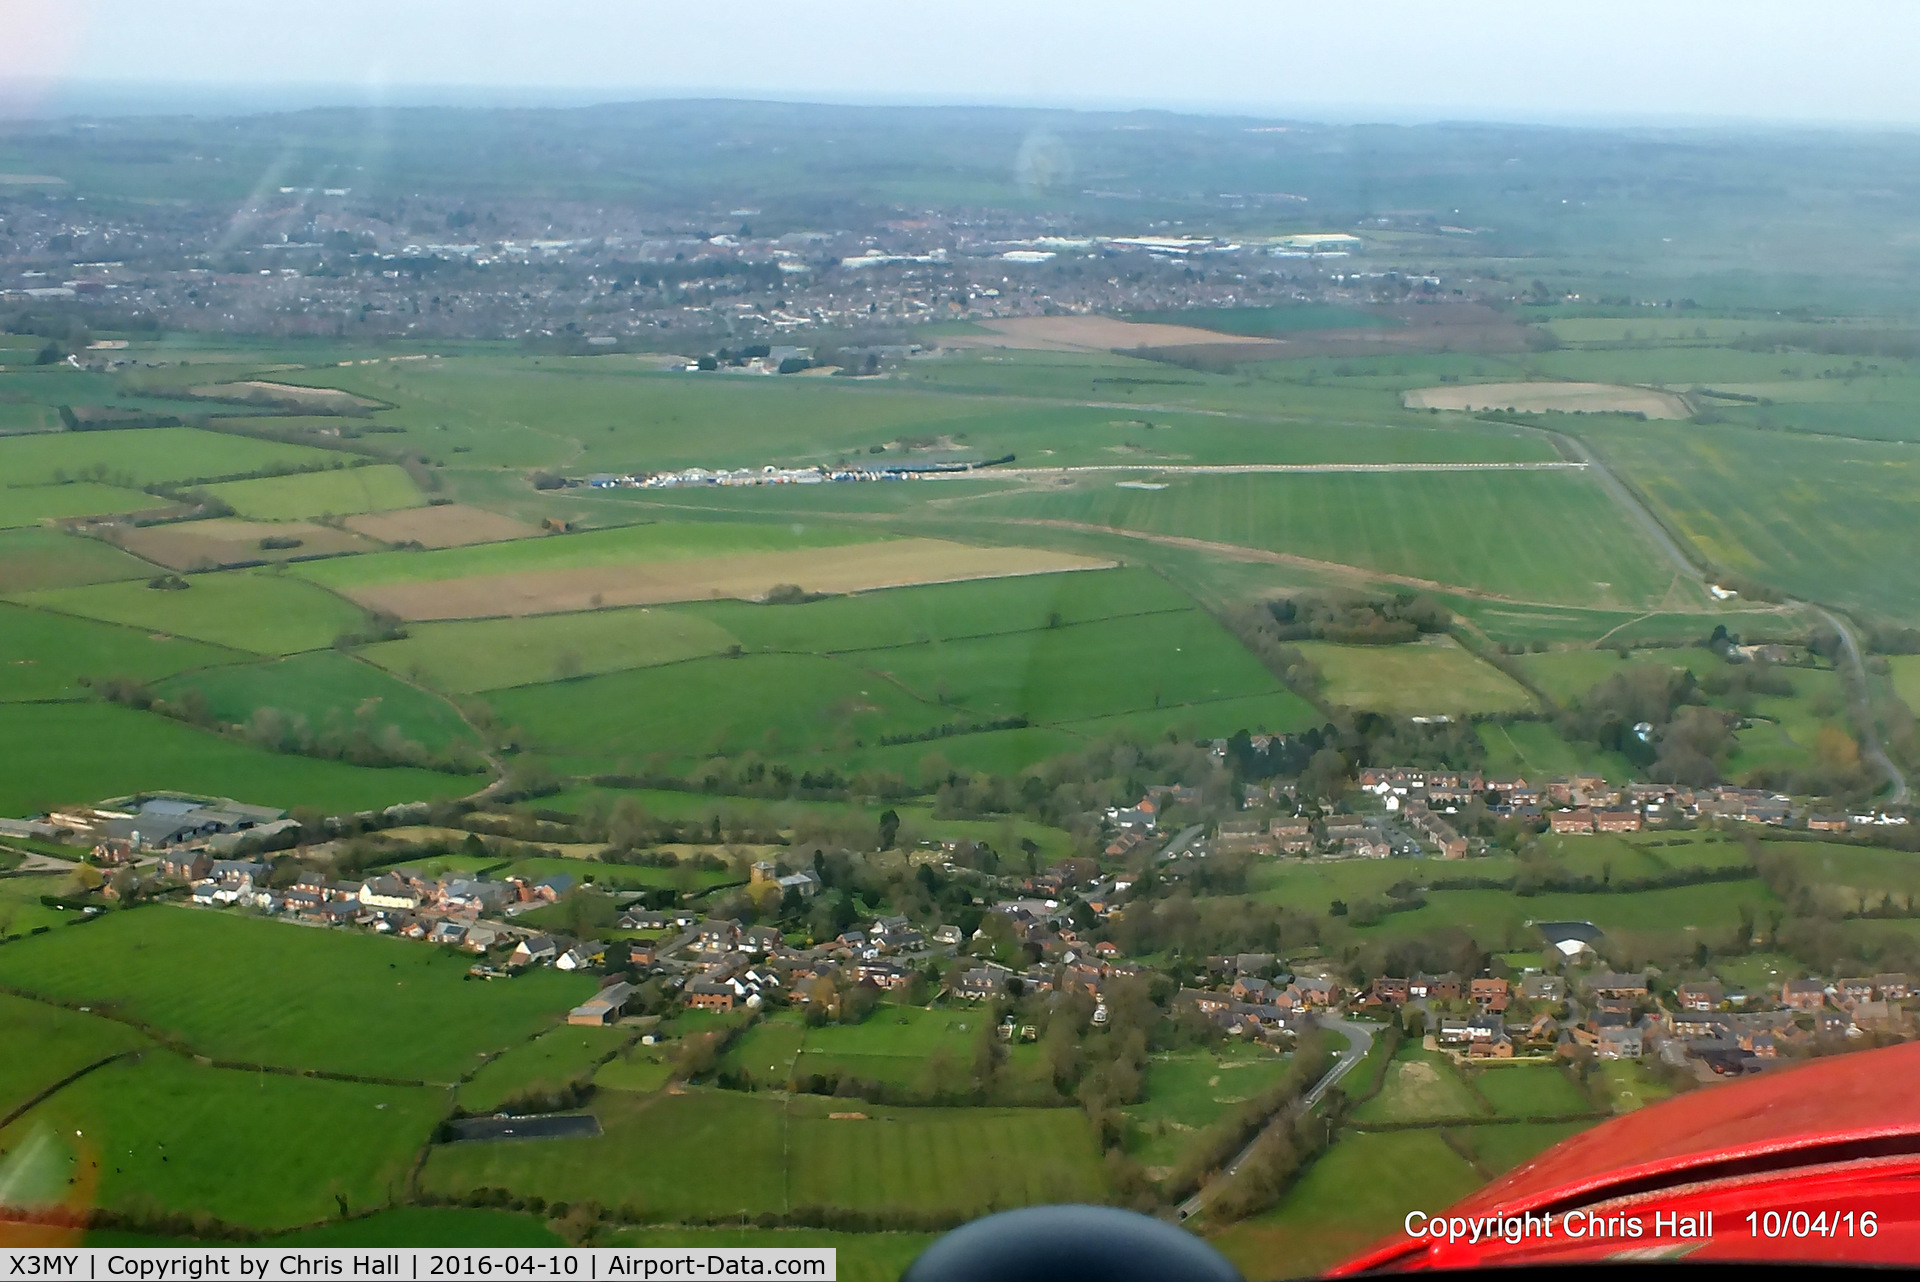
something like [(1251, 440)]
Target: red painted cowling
[(1819, 1162)]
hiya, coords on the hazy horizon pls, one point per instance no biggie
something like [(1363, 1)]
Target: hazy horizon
[(1713, 63)]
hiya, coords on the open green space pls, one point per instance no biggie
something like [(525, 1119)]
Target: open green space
[(1435, 677), (47, 656), (332, 692), (542, 1066), (1850, 879), (1675, 918), (68, 754), (420, 1226), (261, 611), (637, 1069), (1529, 748), (45, 1043), (32, 504), (1188, 1091), (31, 559), (21, 911), (1905, 669), (169, 1135), (1535, 536), (1627, 1084), (1420, 1086), (146, 456), (764, 1055), (336, 492), (1354, 1194), (490, 654), (1260, 322), (1530, 1090), (386, 1008), (1498, 1149)]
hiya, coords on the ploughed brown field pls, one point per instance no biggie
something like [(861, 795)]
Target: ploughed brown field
[(1535, 398), (193, 545), (859, 568), (450, 526)]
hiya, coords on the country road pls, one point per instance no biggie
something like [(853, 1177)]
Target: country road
[(1870, 747), (1360, 1041)]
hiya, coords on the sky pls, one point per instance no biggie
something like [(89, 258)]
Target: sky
[(1573, 61)]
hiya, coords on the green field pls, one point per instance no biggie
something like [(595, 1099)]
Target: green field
[(1352, 1196), (336, 492), (1851, 879), (1657, 918), (30, 505), (1498, 1149), (257, 610), (1532, 536), (31, 559), (367, 1016), (169, 1135), (1188, 1091), (420, 1226), (1260, 322), (1530, 1090), (1820, 517), (1420, 1086), (53, 755), (1437, 677), (145, 456), (1532, 748), (545, 1064), (1906, 679), (491, 654), (45, 1043), (327, 689), (904, 1046), (1630, 1084), (45, 656), (21, 910)]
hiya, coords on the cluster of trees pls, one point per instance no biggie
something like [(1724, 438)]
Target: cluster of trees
[(1353, 619)]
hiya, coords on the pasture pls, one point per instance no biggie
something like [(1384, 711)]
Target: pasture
[(1433, 677), (45, 1043), (1535, 748), (1530, 1090), (176, 972), (53, 756), (1679, 917), (1905, 670), (1847, 878), (145, 456), (257, 610), (1532, 536), (1630, 1084), (1188, 1091), (169, 1136), (1421, 1086), (544, 1065), (32, 504), (492, 654), (1354, 1194), (332, 692), (45, 656), (1499, 1149), (21, 911), (31, 559), (335, 492)]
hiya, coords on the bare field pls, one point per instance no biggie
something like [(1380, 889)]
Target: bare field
[(1538, 398), (859, 568), (449, 526), (1101, 334), (199, 545)]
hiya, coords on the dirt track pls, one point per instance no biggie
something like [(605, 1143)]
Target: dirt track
[(860, 568)]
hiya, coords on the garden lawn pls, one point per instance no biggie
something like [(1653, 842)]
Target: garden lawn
[(261, 1150), (341, 1001)]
